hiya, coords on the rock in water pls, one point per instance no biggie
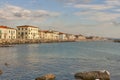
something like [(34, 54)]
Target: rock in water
[(93, 75), (46, 77), (1, 72), (6, 64)]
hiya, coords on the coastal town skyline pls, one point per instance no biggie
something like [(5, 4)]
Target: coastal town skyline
[(87, 17)]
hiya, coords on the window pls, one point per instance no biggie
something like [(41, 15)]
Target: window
[(22, 33), (19, 33), (0, 32)]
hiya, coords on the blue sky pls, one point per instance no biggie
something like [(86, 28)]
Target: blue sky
[(87, 17)]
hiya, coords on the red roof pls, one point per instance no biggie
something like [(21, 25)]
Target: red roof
[(5, 27)]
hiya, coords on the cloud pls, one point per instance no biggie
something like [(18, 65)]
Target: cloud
[(113, 2), (94, 7), (98, 16), (117, 10), (68, 2), (10, 12)]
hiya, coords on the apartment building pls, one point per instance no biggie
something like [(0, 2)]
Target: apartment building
[(62, 36), (80, 37), (7, 32), (27, 32), (70, 37), (49, 35)]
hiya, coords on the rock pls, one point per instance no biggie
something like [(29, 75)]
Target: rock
[(46, 77), (6, 64), (93, 75), (1, 72)]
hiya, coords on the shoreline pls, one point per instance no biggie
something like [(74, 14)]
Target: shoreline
[(7, 43), (14, 42)]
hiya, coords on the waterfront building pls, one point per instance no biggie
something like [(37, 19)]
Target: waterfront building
[(80, 37), (62, 36), (27, 32), (70, 37), (49, 35), (55, 35), (7, 33), (42, 35)]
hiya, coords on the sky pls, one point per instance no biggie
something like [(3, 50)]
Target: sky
[(86, 17)]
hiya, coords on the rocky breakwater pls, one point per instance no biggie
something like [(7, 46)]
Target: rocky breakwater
[(93, 75), (46, 77)]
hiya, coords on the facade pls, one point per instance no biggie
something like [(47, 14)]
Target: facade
[(62, 36), (42, 35), (70, 37), (80, 37), (49, 35), (55, 35), (27, 32), (7, 32)]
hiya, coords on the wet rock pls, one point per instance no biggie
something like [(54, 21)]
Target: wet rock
[(46, 77), (1, 72), (93, 75), (6, 64)]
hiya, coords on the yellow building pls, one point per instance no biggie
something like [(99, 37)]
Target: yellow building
[(80, 37), (42, 34), (7, 32), (49, 35), (27, 32)]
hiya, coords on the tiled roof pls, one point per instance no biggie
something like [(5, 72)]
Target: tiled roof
[(5, 27)]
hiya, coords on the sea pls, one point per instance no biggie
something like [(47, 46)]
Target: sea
[(29, 61)]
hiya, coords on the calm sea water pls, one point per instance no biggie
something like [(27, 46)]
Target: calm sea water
[(28, 61)]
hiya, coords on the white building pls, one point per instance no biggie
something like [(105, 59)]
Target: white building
[(62, 36), (70, 37), (80, 37), (49, 35), (27, 32), (7, 32)]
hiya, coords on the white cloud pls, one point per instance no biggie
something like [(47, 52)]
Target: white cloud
[(113, 2), (10, 12), (117, 10), (95, 7), (71, 2), (99, 16)]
